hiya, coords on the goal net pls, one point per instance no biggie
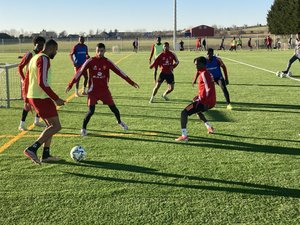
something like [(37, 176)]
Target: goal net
[(10, 84)]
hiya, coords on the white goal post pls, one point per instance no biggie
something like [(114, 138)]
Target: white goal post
[(10, 84)]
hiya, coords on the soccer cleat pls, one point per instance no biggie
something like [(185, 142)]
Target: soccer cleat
[(22, 127), (182, 138), (83, 93), (32, 156), (210, 130), (123, 125), (50, 159), (151, 100), (39, 124), (229, 107), (165, 97), (77, 94), (83, 132)]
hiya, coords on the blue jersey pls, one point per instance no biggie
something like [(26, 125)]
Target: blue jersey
[(214, 67), (79, 54)]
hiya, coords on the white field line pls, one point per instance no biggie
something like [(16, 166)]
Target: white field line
[(259, 68)]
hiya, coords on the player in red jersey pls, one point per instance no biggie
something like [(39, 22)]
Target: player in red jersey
[(205, 100), (167, 61), (99, 67), (38, 43)]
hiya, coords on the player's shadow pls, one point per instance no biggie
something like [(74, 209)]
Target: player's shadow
[(209, 142), (268, 85), (192, 182)]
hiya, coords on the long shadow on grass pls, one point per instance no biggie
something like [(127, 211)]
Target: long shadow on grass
[(209, 143), (247, 188), (267, 85)]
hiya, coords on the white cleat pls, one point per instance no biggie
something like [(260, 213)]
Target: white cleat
[(151, 100), (39, 124), (123, 125), (83, 132), (22, 128)]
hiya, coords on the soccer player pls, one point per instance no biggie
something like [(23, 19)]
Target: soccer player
[(38, 43), (156, 49), (205, 100), (167, 61), (99, 67), (42, 98), (250, 44), (233, 44), (135, 45), (295, 56), (213, 65), (78, 55)]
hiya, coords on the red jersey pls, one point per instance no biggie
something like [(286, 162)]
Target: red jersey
[(165, 61), (24, 62), (98, 69), (206, 86)]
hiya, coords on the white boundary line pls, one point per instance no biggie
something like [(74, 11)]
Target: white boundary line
[(259, 68)]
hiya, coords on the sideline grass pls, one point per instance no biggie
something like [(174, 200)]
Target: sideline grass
[(246, 173)]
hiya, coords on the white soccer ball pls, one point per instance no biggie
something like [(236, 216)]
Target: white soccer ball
[(78, 153), (278, 73), (289, 74), (282, 75)]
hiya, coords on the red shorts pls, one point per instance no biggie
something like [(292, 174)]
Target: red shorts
[(104, 96), (44, 107)]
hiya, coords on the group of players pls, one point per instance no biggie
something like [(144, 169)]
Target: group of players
[(38, 94)]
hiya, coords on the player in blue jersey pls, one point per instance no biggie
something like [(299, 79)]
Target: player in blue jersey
[(78, 56), (213, 65)]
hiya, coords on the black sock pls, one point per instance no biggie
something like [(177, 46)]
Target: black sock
[(24, 115), (46, 152), (34, 147)]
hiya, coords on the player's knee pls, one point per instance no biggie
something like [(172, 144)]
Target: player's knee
[(184, 113)]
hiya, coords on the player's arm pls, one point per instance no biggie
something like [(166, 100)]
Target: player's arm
[(222, 65), (156, 62), (87, 53), (151, 54), (204, 91), (195, 78), (25, 60), (176, 61), (77, 75), (72, 53), (43, 65), (121, 74)]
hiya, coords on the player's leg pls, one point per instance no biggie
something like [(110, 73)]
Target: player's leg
[(156, 87), (116, 112), (76, 69), (87, 118), (290, 62), (37, 121), (155, 74), (209, 127), (171, 83), (84, 91), (23, 118), (221, 83)]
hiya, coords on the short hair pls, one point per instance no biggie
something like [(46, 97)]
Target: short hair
[(101, 45), (38, 39), (200, 59), (210, 50), (51, 43), (166, 43)]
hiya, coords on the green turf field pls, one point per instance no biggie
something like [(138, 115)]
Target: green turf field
[(246, 173)]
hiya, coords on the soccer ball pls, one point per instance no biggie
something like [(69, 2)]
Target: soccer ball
[(78, 153), (280, 74), (289, 74)]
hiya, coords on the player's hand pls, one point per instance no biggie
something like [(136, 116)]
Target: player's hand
[(27, 107), (135, 85), (68, 88), (59, 102), (193, 84)]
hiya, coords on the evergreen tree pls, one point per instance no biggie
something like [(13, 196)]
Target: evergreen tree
[(284, 17)]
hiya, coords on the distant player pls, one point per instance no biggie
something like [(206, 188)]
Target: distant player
[(205, 100), (135, 45), (42, 98), (296, 56), (250, 44), (214, 65), (38, 43), (269, 41), (233, 44), (78, 55), (99, 68), (167, 61), (156, 49)]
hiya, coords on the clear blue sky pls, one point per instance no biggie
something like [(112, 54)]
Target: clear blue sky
[(76, 16)]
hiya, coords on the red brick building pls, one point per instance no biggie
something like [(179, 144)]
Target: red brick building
[(201, 31)]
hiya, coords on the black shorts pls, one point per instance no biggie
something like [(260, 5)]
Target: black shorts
[(196, 107), (166, 77)]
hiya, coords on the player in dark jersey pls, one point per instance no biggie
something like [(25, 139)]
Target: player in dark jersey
[(205, 100), (98, 68), (167, 61), (213, 65), (78, 56), (38, 43)]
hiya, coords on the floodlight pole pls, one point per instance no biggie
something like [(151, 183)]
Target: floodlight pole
[(175, 25)]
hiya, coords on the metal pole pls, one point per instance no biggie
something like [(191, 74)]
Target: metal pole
[(175, 25), (7, 88)]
